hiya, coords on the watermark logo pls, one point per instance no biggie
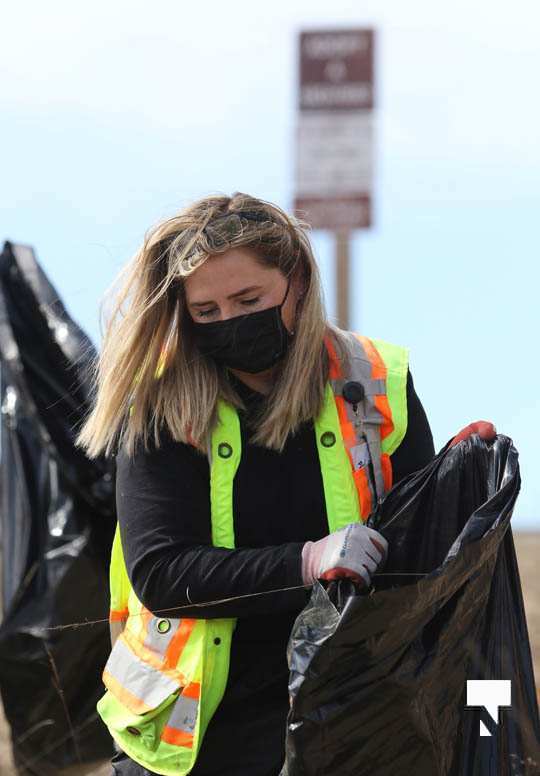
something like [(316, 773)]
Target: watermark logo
[(489, 693)]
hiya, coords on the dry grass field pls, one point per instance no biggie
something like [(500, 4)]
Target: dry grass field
[(528, 552)]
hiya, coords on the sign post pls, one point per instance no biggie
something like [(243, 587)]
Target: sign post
[(334, 142), (342, 277)]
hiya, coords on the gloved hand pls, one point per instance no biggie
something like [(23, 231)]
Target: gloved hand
[(354, 552), (483, 428)]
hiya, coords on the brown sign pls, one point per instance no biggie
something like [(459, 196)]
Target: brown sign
[(336, 70), (336, 213)]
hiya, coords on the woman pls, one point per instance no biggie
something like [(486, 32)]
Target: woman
[(253, 438)]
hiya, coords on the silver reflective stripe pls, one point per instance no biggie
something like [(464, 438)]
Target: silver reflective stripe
[(144, 682), (115, 628), (367, 419), (184, 714), (157, 641)]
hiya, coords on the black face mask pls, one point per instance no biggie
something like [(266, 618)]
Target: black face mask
[(252, 342)]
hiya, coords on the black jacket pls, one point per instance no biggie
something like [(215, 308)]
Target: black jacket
[(163, 509)]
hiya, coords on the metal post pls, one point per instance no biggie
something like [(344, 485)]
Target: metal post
[(342, 278)]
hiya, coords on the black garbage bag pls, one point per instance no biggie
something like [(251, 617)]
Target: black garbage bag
[(378, 682), (57, 521)]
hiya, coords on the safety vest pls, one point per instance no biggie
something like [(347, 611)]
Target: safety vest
[(165, 677)]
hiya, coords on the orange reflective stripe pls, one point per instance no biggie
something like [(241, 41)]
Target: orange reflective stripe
[(364, 493), (178, 642), (124, 696), (386, 465), (347, 428), (118, 614), (335, 371), (378, 372), (381, 403), (192, 690), (378, 369), (177, 737)]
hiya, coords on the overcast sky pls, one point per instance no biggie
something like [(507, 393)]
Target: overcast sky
[(117, 114)]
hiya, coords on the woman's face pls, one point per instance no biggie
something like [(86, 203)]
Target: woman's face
[(234, 283)]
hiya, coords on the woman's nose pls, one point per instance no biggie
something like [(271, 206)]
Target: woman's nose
[(227, 311)]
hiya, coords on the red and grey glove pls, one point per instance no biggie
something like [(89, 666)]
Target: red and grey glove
[(354, 552), (483, 428)]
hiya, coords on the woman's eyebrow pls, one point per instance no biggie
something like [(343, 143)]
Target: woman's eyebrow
[(231, 296)]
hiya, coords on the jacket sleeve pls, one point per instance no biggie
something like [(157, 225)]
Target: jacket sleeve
[(416, 449), (163, 509)]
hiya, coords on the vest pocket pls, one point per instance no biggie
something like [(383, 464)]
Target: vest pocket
[(140, 695), (138, 685), (131, 730)]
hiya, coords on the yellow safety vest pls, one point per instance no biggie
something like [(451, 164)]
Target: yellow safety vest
[(165, 677)]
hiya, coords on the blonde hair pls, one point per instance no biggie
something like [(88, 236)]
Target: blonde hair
[(148, 333)]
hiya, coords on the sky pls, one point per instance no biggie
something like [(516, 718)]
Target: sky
[(118, 114)]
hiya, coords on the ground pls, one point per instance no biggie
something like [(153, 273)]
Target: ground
[(528, 552)]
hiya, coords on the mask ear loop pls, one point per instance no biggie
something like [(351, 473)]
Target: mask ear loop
[(300, 297), (286, 293), (282, 303)]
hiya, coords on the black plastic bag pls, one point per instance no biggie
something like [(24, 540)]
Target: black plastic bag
[(57, 521), (378, 679)]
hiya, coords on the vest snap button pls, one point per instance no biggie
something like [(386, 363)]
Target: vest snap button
[(163, 626), (224, 450), (328, 438), (133, 730), (217, 641), (353, 392)]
